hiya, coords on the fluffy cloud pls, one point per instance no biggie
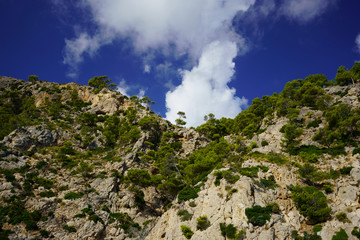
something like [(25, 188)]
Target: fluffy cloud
[(204, 89), (357, 41), (304, 10), (189, 28), (188, 24)]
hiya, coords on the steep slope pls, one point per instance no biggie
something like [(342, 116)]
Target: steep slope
[(79, 162)]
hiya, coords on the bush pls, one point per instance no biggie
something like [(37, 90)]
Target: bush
[(346, 170), (342, 217), (228, 231), (258, 215), (187, 193), (184, 215), (356, 232), (186, 231), (70, 229), (340, 235), (311, 203), (139, 177), (202, 223), (73, 195), (47, 194)]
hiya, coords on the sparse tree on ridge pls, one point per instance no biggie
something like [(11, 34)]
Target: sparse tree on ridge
[(179, 121), (101, 82)]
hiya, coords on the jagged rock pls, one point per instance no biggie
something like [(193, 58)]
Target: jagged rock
[(348, 194), (104, 186), (26, 137), (355, 174)]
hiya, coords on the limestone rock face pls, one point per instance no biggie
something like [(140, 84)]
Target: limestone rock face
[(33, 136)]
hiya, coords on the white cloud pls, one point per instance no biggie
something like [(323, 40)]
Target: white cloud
[(357, 41), (123, 88), (141, 93), (188, 24), (147, 68), (304, 10), (204, 89)]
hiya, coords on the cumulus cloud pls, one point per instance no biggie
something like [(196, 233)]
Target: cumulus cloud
[(188, 24), (304, 10), (357, 41), (174, 28), (204, 89)]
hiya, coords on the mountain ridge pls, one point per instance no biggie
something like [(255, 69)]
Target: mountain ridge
[(81, 162)]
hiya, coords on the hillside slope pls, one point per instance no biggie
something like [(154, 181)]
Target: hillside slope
[(79, 162)]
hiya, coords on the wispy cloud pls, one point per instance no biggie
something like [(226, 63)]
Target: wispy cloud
[(357, 41), (304, 11)]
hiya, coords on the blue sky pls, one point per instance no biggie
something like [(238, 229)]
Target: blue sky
[(196, 56)]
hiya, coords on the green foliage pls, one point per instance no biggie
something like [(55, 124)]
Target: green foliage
[(345, 170), (213, 128), (188, 193), (340, 235), (73, 195), (138, 197), (311, 203), (184, 215), (317, 228), (139, 177), (343, 126), (228, 231), (47, 194), (202, 223), (346, 77), (16, 110), (101, 82), (258, 215), (269, 183), (342, 217), (70, 229), (291, 132), (124, 220), (33, 78), (356, 232), (252, 171), (186, 231)]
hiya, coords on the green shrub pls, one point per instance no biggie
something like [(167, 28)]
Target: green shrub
[(346, 170), (44, 233), (311, 203), (228, 231), (139, 177), (269, 183), (317, 228), (184, 215), (73, 195), (258, 215), (342, 217), (356, 151), (95, 218), (139, 197), (356, 232), (47, 194), (186, 231), (187, 193), (340, 235), (202, 223), (70, 229), (264, 143)]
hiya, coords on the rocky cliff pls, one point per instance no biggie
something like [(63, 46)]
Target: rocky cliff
[(78, 162)]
